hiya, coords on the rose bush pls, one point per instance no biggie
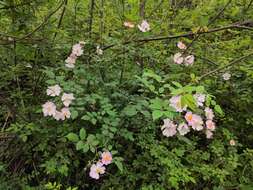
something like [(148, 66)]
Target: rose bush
[(126, 95)]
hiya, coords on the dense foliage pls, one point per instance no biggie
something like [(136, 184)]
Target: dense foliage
[(127, 74)]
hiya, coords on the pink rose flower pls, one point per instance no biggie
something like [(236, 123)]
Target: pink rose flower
[(169, 129), (210, 125), (181, 45), (183, 129), (189, 60), (49, 109), (178, 58), (144, 26), (96, 170), (106, 158)]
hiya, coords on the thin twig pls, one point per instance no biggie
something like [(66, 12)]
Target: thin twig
[(236, 61), (61, 18), (189, 34), (38, 27), (209, 23)]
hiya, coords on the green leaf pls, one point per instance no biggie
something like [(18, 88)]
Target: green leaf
[(119, 165), (95, 143), (130, 110), (82, 134), (149, 73), (51, 82), (49, 73), (91, 138), (177, 84), (157, 114), (72, 137), (169, 114), (79, 145), (86, 118), (200, 89), (218, 110), (157, 103), (74, 114), (188, 100), (85, 148)]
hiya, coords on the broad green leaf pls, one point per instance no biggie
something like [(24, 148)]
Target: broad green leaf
[(82, 134), (72, 137), (119, 165), (218, 110), (74, 114), (188, 100), (177, 84), (151, 74), (79, 145), (130, 110), (85, 148), (157, 114)]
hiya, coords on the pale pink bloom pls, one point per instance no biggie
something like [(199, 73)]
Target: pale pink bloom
[(169, 129), (189, 60), (226, 76), (209, 134), (82, 43), (49, 109), (209, 113), (200, 98), (178, 58), (189, 117), (210, 125), (175, 102), (99, 51), (232, 142), (67, 99), (128, 24), (77, 50), (181, 45), (65, 112), (96, 170), (54, 90), (69, 65), (59, 116), (71, 59), (194, 120), (106, 158), (144, 26), (183, 129)]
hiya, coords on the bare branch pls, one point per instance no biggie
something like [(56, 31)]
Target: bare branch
[(240, 25), (236, 61)]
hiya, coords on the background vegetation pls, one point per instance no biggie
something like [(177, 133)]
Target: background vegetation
[(121, 95)]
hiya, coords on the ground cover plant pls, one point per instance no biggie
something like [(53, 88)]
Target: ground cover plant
[(126, 94)]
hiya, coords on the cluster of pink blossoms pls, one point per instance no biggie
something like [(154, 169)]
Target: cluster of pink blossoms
[(99, 168), (191, 120), (180, 58), (50, 109), (143, 27), (77, 51)]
